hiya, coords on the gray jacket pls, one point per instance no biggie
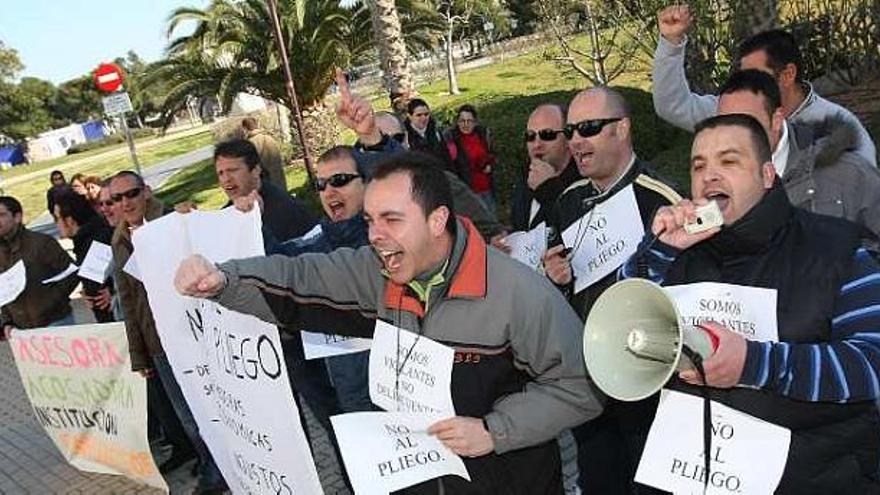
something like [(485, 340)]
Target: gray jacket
[(822, 176), (525, 375), (675, 103)]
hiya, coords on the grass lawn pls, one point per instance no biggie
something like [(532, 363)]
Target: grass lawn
[(32, 193), (61, 160)]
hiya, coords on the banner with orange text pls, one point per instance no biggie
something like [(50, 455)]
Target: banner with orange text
[(84, 394)]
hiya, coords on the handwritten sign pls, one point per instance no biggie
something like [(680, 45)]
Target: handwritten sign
[(70, 270), (229, 365), (604, 238), (320, 345), (410, 373), (529, 247), (86, 397), (748, 455), (385, 452), (748, 311), (97, 264), (12, 282)]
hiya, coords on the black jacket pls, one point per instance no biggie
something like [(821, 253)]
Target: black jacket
[(807, 258), (96, 230), (542, 198)]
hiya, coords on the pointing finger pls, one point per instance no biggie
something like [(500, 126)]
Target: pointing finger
[(342, 84)]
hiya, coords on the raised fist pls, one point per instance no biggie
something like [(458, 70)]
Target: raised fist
[(674, 21)]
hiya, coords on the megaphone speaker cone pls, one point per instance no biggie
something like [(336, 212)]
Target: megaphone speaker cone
[(633, 340)]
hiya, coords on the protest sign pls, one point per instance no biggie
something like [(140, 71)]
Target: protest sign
[(410, 373), (86, 397), (97, 263), (230, 366), (12, 282), (748, 455), (528, 247), (384, 451), (604, 238), (320, 345), (748, 311)]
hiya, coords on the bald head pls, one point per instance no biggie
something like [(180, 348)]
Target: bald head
[(390, 125), (549, 111), (552, 147), (610, 101)]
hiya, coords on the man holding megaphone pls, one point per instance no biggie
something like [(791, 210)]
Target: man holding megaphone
[(819, 378)]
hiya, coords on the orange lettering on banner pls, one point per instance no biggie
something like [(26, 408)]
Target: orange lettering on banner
[(132, 463)]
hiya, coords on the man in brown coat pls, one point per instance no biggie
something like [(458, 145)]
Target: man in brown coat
[(270, 155), (39, 304)]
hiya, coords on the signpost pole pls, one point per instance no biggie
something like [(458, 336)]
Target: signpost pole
[(130, 142)]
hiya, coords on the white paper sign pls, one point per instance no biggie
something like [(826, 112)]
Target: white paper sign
[(230, 366), (529, 247), (131, 268), (96, 266), (604, 238), (70, 270), (320, 345), (410, 373), (384, 451), (748, 455), (748, 311), (12, 282)]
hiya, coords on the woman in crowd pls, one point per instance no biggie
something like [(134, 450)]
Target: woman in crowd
[(471, 151)]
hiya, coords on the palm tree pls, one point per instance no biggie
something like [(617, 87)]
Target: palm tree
[(232, 50), (392, 52)]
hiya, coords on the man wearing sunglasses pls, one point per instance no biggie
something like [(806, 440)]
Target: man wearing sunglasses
[(136, 207), (550, 169), (599, 133)]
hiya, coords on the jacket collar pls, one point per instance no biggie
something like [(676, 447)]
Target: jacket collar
[(756, 230), (465, 272)]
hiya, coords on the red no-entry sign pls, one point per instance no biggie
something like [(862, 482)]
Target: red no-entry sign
[(108, 77)]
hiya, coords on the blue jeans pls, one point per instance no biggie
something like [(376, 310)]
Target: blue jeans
[(209, 473), (349, 374)]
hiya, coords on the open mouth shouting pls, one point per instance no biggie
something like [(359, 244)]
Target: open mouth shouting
[(337, 210), (720, 197), (391, 258)]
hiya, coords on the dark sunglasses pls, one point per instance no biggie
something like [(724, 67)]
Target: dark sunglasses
[(335, 180), (130, 194), (543, 134), (400, 137), (109, 202), (587, 128)]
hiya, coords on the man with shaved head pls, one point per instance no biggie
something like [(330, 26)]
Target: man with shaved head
[(615, 184), (550, 168)]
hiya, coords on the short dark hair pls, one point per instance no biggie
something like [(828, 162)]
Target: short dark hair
[(430, 187), (129, 173), (249, 123), (238, 148), (760, 142), (781, 49), (11, 204), (415, 103), (466, 108), (56, 173), (342, 152), (72, 205), (757, 82)]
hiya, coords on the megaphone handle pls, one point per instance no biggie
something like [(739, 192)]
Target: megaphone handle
[(707, 405)]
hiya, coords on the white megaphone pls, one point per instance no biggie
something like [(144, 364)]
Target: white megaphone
[(633, 340)]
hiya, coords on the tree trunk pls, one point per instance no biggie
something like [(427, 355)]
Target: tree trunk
[(392, 53), (751, 17), (450, 59)]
